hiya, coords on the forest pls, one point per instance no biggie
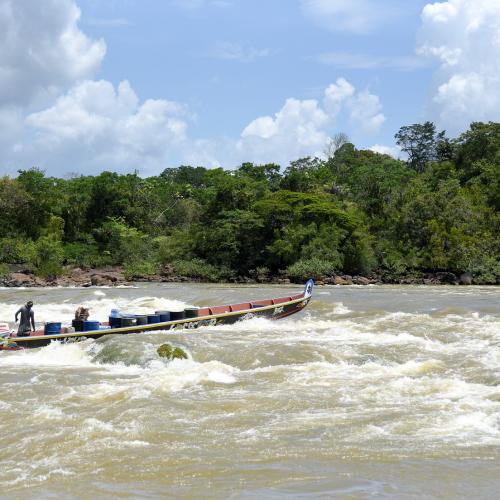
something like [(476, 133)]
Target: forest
[(351, 212)]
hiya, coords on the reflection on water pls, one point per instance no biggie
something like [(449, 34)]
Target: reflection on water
[(385, 391)]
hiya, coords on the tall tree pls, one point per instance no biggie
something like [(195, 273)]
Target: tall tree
[(420, 142)]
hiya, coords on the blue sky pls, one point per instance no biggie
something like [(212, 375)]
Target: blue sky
[(234, 61), (87, 85)]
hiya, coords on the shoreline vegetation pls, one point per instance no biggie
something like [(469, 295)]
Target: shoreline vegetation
[(352, 217)]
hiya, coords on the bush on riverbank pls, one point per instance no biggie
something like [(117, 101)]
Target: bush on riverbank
[(310, 268)]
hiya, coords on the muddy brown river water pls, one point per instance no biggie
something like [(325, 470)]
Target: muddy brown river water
[(385, 392)]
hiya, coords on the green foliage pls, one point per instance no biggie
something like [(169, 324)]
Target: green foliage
[(261, 274), (138, 269), (485, 269), (356, 212), (374, 182), (125, 244), (302, 175), (15, 209), (14, 251), (422, 144), (358, 253), (86, 254), (268, 176), (42, 199), (315, 268), (46, 257), (233, 240), (177, 246), (480, 143), (4, 270), (200, 270)]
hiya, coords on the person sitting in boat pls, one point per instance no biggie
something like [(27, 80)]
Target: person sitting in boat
[(82, 313), (27, 317)]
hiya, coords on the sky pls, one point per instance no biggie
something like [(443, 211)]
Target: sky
[(125, 85)]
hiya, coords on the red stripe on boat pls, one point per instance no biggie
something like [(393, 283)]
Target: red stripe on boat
[(263, 302), (240, 307), (281, 300), (220, 309)]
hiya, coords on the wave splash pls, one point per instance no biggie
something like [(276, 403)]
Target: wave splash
[(430, 377)]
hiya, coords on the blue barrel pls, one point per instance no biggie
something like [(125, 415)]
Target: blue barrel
[(90, 325), (164, 316), (191, 312), (115, 321), (128, 321), (77, 325), (175, 315), (153, 318), (142, 319), (52, 328)]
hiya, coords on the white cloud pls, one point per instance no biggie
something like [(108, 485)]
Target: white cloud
[(297, 129), (464, 37), (337, 93), (356, 16), (302, 127), (87, 110), (364, 109), (53, 115), (393, 151), (42, 50), (95, 126), (302, 120), (366, 112)]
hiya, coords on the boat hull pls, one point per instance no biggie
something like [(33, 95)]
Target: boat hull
[(276, 309)]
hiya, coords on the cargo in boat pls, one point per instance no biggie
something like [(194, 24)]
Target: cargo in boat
[(189, 318)]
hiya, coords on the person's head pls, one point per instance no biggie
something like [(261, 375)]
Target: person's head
[(29, 304)]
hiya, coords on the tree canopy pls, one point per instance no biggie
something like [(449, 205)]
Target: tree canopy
[(356, 211)]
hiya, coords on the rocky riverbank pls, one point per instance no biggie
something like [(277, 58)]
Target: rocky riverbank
[(106, 276), (115, 276)]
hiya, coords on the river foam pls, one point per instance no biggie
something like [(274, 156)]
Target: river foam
[(360, 377)]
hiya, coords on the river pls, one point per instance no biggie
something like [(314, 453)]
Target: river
[(378, 391)]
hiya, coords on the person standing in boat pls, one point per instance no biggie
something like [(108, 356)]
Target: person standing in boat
[(27, 320)]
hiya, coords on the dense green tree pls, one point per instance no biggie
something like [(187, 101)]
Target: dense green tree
[(302, 175), (43, 198), (268, 174), (354, 212), (15, 209), (422, 144)]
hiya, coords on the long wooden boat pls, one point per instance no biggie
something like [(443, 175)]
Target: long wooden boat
[(278, 308)]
